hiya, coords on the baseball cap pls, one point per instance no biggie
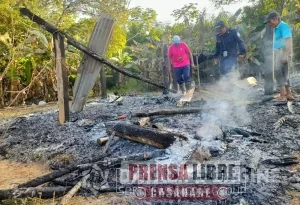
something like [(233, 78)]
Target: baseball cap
[(270, 16), (176, 39), (218, 26)]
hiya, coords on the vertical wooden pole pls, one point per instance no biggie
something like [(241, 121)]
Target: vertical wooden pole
[(269, 63), (62, 79), (165, 68), (198, 70), (103, 83)]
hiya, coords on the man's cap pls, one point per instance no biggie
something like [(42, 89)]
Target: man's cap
[(176, 39), (218, 26), (270, 16)]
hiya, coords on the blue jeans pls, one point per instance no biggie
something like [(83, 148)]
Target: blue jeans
[(227, 63), (183, 74)]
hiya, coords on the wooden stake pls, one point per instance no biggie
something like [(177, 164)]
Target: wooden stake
[(62, 78)]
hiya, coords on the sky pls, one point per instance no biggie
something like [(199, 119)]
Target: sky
[(164, 8)]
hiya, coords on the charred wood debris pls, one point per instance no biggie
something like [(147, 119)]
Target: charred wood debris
[(261, 135)]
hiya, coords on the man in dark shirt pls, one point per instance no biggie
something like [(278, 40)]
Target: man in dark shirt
[(229, 47)]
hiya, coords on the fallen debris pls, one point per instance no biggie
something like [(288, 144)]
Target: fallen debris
[(148, 136), (200, 155), (41, 192), (102, 140), (171, 111), (143, 121), (73, 191), (282, 161)]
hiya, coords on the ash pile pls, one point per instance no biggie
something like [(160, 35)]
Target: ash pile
[(241, 126)]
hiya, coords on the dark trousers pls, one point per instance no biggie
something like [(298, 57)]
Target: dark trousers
[(183, 74), (227, 64), (281, 70)]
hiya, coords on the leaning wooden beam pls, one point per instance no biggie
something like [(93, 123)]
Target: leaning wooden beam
[(173, 111), (90, 68), (148, 136), (43, 192), (47, 26)]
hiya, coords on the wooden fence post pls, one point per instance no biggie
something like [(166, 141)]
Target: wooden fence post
[(62, 78), (103, 83)]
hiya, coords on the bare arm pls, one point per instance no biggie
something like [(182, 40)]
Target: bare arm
[(169, 63), (289, 45), (191, 58)]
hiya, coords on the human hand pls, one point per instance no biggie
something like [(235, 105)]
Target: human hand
[(215, 61), (193, 65)]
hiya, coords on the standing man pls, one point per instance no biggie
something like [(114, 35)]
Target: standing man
[(283, 47), (229, 47), (181, 58)]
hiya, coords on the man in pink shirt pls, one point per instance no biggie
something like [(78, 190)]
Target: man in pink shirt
[(181, 58)]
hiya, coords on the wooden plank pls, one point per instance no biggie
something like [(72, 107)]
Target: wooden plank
[(186, 98), (90, 68), (62, 78)]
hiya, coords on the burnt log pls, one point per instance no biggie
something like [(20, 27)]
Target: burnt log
[(56, 174), (148, 136), (82, 167), (173, 111), (52, 29), (282, 161), (42, 192)]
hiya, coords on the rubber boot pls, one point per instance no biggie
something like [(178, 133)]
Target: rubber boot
[(181, 86), (289, 94), (188, 86)]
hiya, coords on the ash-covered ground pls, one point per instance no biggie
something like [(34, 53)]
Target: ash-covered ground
[(38, 137)]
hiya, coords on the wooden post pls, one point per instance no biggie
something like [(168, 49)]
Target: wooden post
[(198, 71), (103, 83), (62, 78), (89, 69), (269, 63), (165, 68)]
